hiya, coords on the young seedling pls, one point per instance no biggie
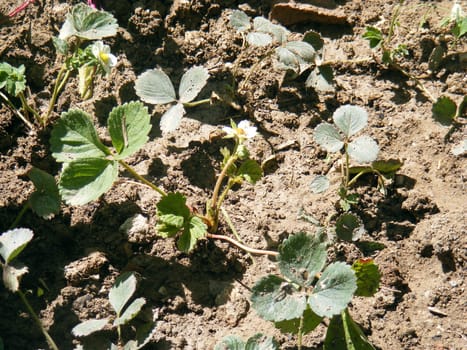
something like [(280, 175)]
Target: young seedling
[(83, 23), (155, 87), (13, 81), (290, 55), (448, 113), (45, 200), (256, 342), (12, 243), (119, 298), (308, 291), (457, 21)]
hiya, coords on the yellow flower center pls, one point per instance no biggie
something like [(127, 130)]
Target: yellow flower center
[(104, 57)]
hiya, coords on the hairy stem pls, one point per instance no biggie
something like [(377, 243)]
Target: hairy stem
[(60, 82), (197, 103), (47, 336), (28, 108), (300, 334), (23, 211), (242, 246), (15, 110), (141, 178)]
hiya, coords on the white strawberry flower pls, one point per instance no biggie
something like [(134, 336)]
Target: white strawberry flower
[(103, 55), (243, 131)]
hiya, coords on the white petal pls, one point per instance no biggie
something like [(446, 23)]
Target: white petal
[(228, 130)]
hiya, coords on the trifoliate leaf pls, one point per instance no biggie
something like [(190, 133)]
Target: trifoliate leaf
[(374, 36), (230, 342), (74, 137), (129, 126), (154, 86), (12, 274), (87, 23), (319, 184), (193, 231), (349, 227), (444, 110), (13, 242), (334, 290), (88, 327), (122, 290), (172, 214), (276, 300), (171, 119), (192, 83), (320, 79), (363, 149), (130, 312), (261, 342), (310, 322), (259, 39), (368, 277), (84, 180), (350, 119), (328, 137), (240, 20), (250, 170), (45, 201), (12, 79), (301, 257)]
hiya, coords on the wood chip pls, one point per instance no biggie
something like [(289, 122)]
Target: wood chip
[(436, 311), (293, 13)]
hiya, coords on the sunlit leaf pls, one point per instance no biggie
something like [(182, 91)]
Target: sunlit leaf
[(350, 119), (45, 200), (194, 230), (240, 20), (88, 327), (319, 184), (192, 83), (172, 213), (154, 86), (368, 277), (259, 39), (363, 149), (12, 274), (250, 170), (444, 110), (13, 242), (230, 342), (261, 342), (320, 79), (276, 300), (310, 322), (171, 119), (328, 137), (130, 312), (334, 290), (122, 290), (374, 36)]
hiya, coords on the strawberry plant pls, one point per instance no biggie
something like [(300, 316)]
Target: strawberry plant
[(309, 289), (256, 342), (119, 298)]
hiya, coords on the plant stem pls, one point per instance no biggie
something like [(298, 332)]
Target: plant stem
[(20, 215), (197, 103), (234, 231), (253, 68), (47, 336), (16, 111), (300, 333), (62, 78), (142, 179), (242, 246), (346, 168), (28, 108)]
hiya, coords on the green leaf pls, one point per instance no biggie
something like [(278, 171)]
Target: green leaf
[(144, 334), (259, 39), (261, 24), (354, 337), (12, 274), (350, 119), (45, 201), (230, 342), (436, 57), (250, 170), (319, 184), (314, 39), (261, 342), (374, 36), (88, 327), (74, 137), (444, 110), (193, 231), (13, 242), (240, 20), (85, 180), (122, 290), (368, 277), (192, 83), (320, 79), (301, 257), (276, 300), (129, 126), (172, 214), (130, 312), (87, 23), (460, 27), (171, 119), (387, 166), (287, 59), (12, 79), (349, 227), (154, 86), (304, 52), (310, 322), (335, 335), (334, 290), (363, 149), (328, 137), (60, 45)]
